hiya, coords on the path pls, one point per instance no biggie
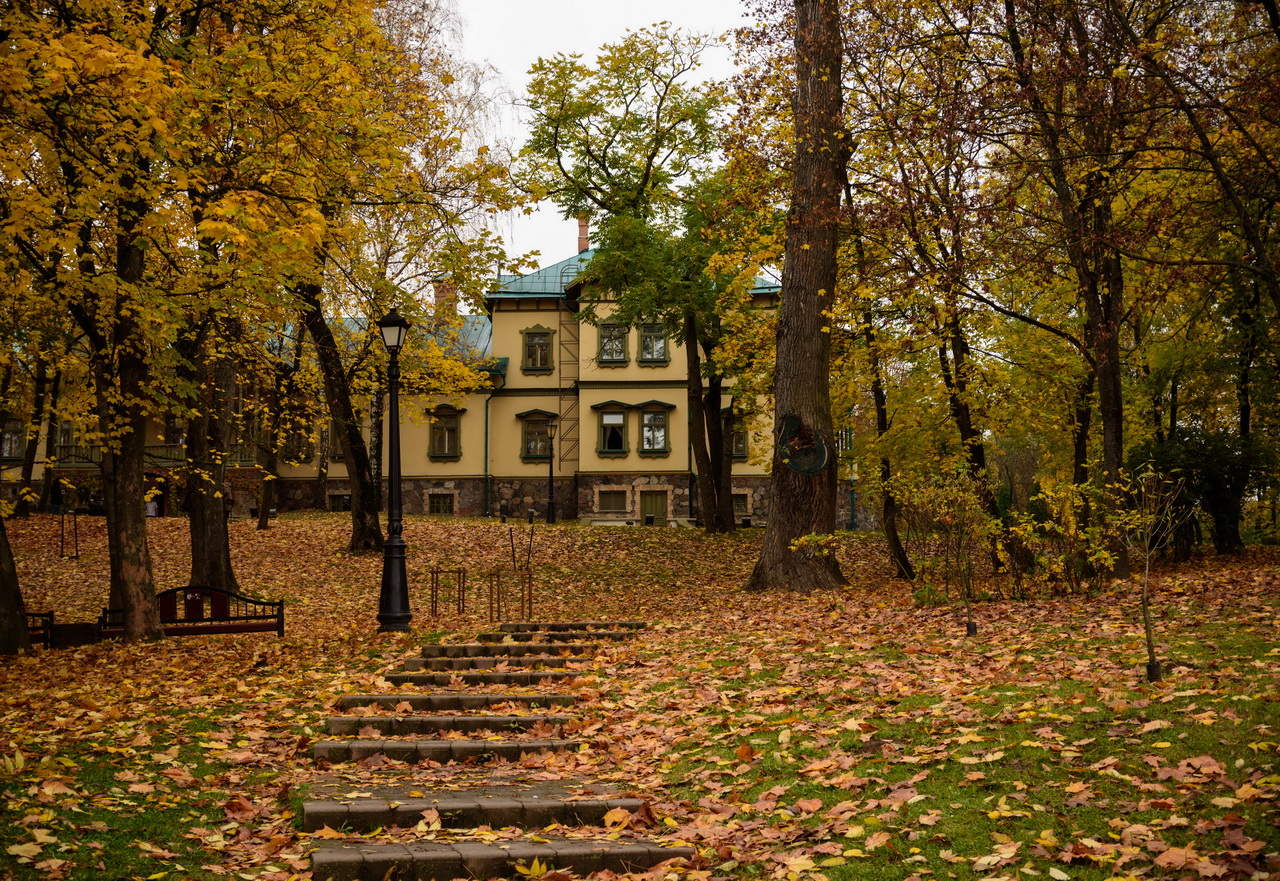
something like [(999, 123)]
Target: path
[(467, 811)]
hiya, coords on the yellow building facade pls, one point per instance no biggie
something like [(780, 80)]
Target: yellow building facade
[(590, 417)]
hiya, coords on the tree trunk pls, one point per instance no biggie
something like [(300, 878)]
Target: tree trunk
[(26, 496), (208, 499), (14, 637), (50, 444), (377, 408), (721, 464), (120, 372), (366, 532), (805, 504), (123, 489), (888, 501), (708, 505)]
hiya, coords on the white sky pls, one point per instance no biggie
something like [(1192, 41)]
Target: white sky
[(512, 34)]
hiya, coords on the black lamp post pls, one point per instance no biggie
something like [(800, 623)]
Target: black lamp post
[(551, 472), (393, 601)]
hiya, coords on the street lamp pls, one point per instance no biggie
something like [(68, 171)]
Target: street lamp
[(551, 472), (393, 601)]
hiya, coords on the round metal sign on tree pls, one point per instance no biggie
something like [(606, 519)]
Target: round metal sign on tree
[(803, 450)]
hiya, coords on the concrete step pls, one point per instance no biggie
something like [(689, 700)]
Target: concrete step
[(453, 700), (433, 861), (548, 626), (553, 635), (527, 805), (476, 677), (489, 663), (433, 750), (487, 649), (393, 725)]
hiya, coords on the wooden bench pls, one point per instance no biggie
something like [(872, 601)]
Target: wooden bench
[(192, 610)]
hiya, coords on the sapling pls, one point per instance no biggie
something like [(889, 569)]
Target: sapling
[(1157, 514)]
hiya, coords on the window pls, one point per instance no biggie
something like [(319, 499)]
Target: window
[(612, 501), (613, 344), (738, 441), (440, 503), (613, 432), (444, 434), (740, 505), (13, 439), (653, 432), (537, 350), (653, 345), (537, 441)]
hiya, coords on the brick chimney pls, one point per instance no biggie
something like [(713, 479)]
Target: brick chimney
[(584, 233)]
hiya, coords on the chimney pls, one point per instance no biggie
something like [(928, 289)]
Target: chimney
[(584, 234), (446, 297)]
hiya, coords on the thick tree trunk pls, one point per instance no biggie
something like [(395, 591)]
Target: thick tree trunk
[(14, 637), (708, 505), (123, 489), (366, 532), (208, 503), (805, 504), (120, 371), (26, 495)]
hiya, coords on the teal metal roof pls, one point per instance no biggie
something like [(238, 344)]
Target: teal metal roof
[(549, 281)]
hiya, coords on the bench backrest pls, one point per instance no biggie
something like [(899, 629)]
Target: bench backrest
[(193, 603)]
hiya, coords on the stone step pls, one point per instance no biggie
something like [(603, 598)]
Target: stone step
[(489, 663), (476, 677), (548, 626), (433, 750), (488, 649), (453, 700), (553, 635), (392, 725), (435, 861), (528, 806)]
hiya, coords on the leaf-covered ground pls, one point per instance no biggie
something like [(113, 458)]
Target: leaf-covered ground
[(848, 735)]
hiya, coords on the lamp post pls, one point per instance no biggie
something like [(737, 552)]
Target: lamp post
[(393, 601), (551, 472)]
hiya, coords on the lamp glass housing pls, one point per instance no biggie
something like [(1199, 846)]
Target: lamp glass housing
[(394, 329)]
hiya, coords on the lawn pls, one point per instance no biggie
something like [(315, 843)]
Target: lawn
[(841, 735)]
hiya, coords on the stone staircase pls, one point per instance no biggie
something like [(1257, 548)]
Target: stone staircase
[(449, 793)]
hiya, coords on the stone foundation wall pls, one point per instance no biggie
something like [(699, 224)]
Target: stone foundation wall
[(514, 497), (589, 486)]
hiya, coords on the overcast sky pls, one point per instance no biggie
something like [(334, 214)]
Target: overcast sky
[(512, 34)]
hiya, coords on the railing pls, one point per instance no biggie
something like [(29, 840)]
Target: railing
[(160, 455)]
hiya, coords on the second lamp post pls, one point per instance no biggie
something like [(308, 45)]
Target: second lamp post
[(393, 601)]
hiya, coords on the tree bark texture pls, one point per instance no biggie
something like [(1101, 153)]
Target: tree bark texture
[(208, 502), (801, 504), (366, 532)]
